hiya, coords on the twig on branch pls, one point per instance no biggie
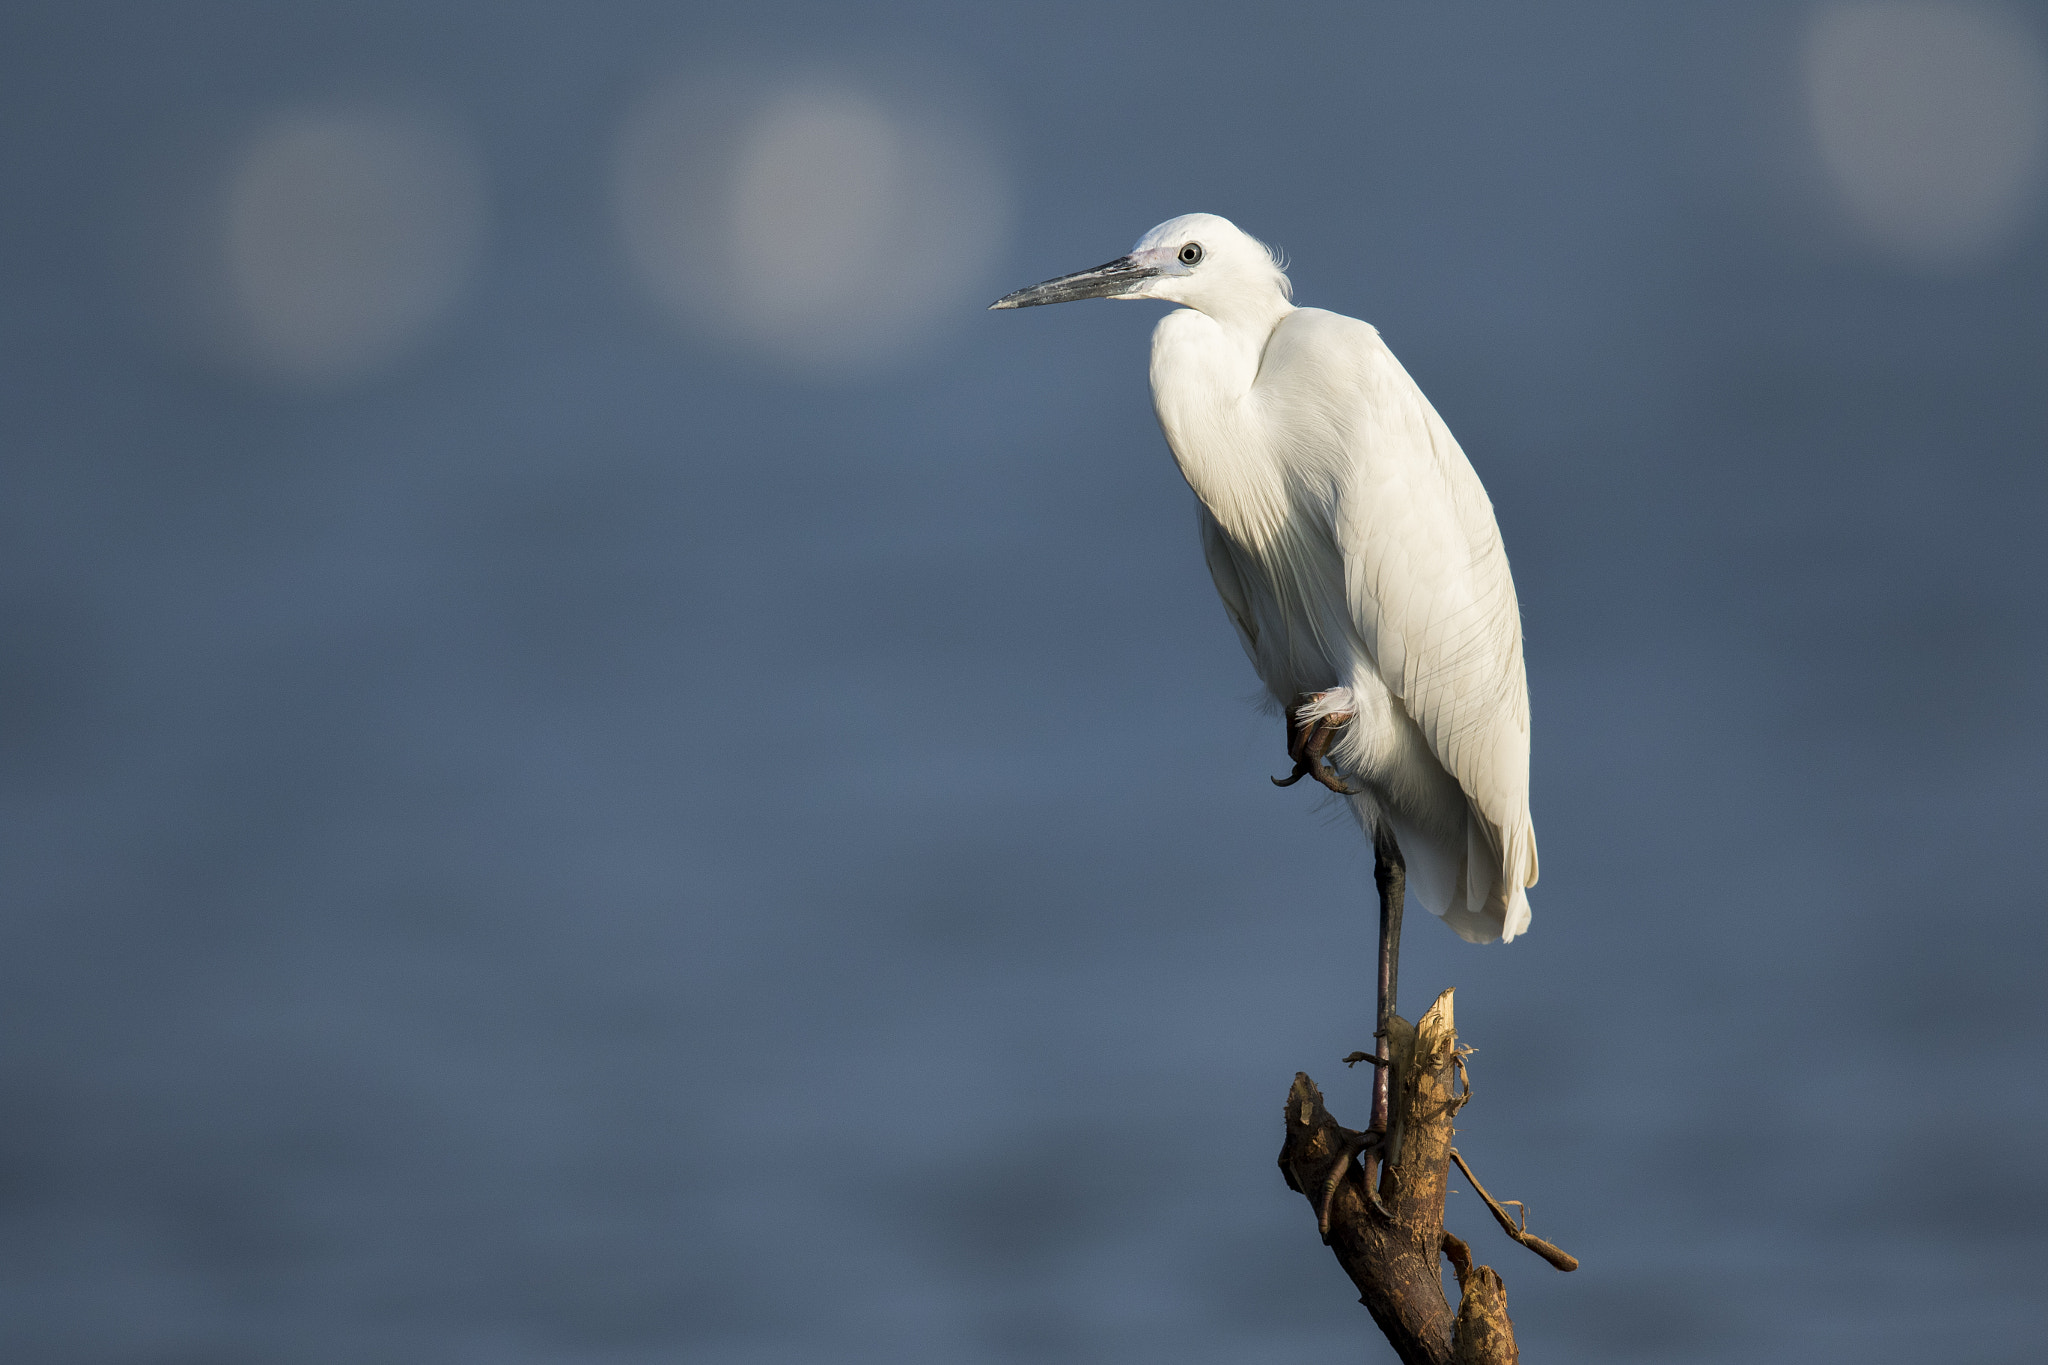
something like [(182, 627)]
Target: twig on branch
[(1562, 1260), (1389, 1239)]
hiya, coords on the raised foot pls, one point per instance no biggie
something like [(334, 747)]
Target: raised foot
[(1312, 723)]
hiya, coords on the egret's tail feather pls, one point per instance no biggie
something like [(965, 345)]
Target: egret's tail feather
[(1459, 880)]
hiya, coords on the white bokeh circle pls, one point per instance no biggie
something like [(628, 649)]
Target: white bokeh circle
[(315, 246), (826, 219), (1931, 120)]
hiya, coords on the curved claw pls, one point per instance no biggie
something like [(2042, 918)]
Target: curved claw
[(1308, 741), (1354, 1145), (1321, 772), (1328, 777)]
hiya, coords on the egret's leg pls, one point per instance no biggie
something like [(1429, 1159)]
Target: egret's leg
[(1310, 729), (1390, 876)]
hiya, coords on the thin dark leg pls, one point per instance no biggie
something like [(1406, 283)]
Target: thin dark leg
[(1390, 875)]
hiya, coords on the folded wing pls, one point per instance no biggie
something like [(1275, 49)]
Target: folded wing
[(1429, 594)]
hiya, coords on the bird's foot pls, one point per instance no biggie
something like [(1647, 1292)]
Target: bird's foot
[(1312, 723), (1351, 1145)]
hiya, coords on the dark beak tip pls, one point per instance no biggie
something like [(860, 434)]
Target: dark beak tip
[(1101, 282)]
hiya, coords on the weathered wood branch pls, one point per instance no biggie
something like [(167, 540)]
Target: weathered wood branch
[(1389, 1245)]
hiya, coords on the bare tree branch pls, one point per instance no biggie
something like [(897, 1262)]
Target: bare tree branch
[(1388, 1238)]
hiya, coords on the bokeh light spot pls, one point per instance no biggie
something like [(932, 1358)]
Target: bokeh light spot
[(340, 236), (1932, 121), (830, 222)]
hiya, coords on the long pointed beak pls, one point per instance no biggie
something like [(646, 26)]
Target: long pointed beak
[(1104, 281)]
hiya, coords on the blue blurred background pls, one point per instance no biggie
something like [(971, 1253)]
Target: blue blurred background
[(601, 767)]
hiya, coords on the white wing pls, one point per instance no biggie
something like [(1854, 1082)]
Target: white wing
[(1425, 580), (1230, 584)]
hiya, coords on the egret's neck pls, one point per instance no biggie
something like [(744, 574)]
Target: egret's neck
[(1205, 370)]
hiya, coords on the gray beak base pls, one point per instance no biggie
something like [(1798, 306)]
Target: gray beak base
[(1104, 281)]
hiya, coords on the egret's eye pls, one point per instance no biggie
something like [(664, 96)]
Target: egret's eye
[(1191, 254)]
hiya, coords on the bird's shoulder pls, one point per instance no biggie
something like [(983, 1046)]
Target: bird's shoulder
[(1337, 397), (1316, 336), (1321, 322), (1335, 366)]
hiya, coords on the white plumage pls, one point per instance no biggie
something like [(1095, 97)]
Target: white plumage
[(1355, 552)]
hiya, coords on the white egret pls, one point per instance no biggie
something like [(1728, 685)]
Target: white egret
[(1357, 555)]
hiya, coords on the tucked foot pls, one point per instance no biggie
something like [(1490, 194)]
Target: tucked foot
[(1353, 1144), (1312, 723)]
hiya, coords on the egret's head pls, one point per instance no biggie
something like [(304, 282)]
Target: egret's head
[(1198, 259)]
